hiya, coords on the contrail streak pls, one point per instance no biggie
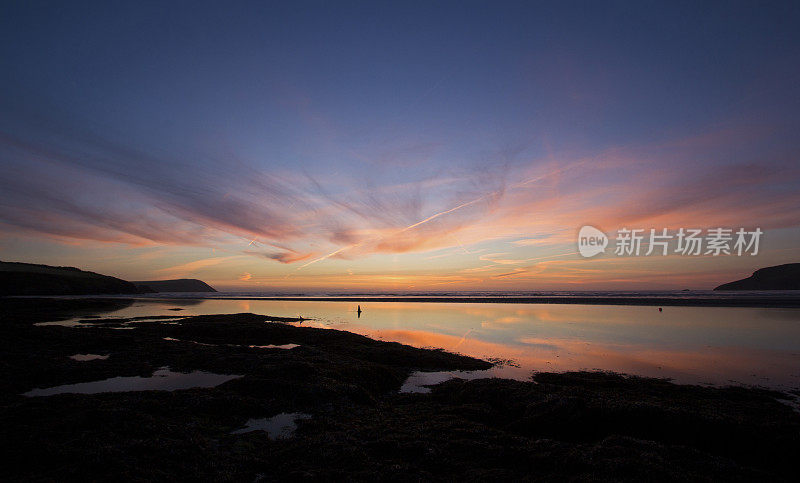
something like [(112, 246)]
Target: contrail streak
[(328, 255), (463, 338), (437, 215), (432, 217)]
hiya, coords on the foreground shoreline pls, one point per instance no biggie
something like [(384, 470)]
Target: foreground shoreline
[(355, 423)]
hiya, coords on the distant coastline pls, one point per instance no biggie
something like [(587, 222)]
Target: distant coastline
[(779, 277), (30, 279), (23, 279), (178, 285), (674, 299)]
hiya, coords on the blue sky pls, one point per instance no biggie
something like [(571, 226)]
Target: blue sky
[(235, 139)]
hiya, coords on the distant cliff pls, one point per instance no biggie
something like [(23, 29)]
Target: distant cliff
[(180, 285), (780, 277), (33, 279)]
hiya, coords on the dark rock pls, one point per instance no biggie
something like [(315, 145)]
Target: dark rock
[(32, 279), (179, 285), (779, 277)]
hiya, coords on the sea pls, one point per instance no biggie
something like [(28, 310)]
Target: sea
[(694, 337)]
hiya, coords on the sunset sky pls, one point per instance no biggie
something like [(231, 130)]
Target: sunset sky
[(396, 145)]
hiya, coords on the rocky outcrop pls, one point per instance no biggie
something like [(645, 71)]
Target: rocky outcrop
[(779, 277)]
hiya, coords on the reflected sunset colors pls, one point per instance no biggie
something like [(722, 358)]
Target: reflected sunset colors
[(716, 345)]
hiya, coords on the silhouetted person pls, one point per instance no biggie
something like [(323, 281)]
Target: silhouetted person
[(359, 311)]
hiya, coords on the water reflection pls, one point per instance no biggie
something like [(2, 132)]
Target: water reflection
[(716, 345), (88, 357), (273, 346), (281, 426), (124, 322), (162, 380), (419, 381)]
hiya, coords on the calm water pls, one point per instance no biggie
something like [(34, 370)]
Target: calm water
[(716, 345), (280, 426), (162, 380)]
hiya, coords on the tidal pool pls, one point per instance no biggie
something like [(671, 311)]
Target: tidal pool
[(90, 321), (272, 346), (280, 426), (88, 357), (418, 381), (162, 380)]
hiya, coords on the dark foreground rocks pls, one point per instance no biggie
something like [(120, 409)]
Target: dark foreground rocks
[(576, 426)]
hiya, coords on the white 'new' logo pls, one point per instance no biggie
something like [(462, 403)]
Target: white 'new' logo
[(591, 241)]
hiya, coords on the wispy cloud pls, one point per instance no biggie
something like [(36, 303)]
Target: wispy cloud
[(190, 268), (283, 257), (63, 183)]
